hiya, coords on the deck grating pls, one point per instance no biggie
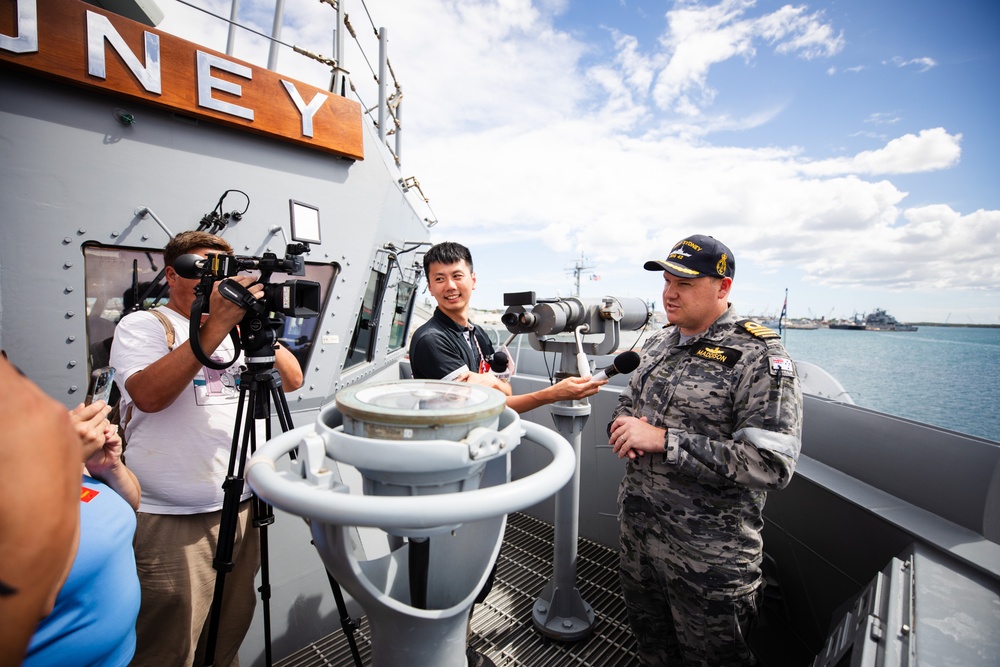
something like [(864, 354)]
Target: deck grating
[(502, 626)]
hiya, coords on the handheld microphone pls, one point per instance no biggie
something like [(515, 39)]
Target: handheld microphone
[(499, 363), (626, 362)]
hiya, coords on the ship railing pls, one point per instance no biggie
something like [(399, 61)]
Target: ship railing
[(387, 120)]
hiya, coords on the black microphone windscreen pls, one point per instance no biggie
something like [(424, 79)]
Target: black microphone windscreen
[(626, 362), (189, 266), (499, 362)]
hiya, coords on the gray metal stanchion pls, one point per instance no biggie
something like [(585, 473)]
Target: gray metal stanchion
[(562, 326), (560, 611)]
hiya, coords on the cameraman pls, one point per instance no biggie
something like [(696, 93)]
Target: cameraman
[(179, 418)]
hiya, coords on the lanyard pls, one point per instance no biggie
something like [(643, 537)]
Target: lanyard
[(474, 346)]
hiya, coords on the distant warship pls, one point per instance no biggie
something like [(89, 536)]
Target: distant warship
[(882, 321)]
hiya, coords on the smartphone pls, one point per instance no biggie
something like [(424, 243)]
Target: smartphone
[(101, 382)]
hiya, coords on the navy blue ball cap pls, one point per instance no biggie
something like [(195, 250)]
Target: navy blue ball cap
[(697, 256)]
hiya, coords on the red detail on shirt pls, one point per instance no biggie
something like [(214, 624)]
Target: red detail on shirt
[(86, 495)]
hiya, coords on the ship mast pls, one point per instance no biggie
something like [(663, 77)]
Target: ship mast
[(578, 268)]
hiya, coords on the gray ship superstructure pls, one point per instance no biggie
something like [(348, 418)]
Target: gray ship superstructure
[(117, 135)]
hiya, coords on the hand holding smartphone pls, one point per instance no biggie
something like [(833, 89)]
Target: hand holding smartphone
[(101, 382)]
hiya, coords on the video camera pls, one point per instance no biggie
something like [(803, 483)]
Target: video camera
[(258, 331), (296, 298)]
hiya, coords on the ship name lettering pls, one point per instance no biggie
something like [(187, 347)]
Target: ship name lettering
[(103, 38)]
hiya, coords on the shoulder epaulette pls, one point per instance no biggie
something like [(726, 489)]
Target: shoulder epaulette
[(757, 330)]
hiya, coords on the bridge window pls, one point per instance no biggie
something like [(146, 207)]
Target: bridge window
[(362, 348), (401, 315)]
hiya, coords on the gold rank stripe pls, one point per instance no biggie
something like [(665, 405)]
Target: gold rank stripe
[(759, 330)]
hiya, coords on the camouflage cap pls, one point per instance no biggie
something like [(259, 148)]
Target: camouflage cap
[(697, 256)]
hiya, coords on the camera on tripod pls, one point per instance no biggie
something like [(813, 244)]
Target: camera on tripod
[(258, 331), (295, 298)]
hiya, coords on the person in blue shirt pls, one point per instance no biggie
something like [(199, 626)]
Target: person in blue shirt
[(93, 619), (41, 520)]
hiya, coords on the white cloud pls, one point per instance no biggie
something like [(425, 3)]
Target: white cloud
[(883, 118), (699, 37), (935, 248), (793, 30), (523, 133), (930, 150), (922, 64)]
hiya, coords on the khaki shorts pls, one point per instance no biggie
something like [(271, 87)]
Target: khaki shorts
[(174, 555)]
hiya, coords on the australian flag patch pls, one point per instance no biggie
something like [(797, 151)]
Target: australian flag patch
[(781, 366)]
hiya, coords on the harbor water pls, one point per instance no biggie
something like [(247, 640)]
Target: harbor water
[(945, 376)]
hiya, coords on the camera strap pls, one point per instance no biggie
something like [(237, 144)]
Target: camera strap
[(116, 416), (239, 295), (194, 333)]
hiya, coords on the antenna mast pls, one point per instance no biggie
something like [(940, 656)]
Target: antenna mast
[(578, 268)]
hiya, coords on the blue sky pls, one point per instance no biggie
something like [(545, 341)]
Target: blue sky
[(846, 150)]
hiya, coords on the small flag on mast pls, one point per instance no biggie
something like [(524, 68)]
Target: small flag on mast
[(784, 312)]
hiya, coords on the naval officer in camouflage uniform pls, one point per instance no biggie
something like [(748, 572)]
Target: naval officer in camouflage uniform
[(711, 421)]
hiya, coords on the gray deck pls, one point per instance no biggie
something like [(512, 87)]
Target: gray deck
[(502, 626)]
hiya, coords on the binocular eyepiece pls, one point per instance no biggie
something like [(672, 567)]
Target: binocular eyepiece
[(553, 316)]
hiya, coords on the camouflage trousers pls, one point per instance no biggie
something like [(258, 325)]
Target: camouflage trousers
[(675, 622)]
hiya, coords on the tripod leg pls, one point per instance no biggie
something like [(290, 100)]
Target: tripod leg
[(348, 624), (232, 490), (263, 516), (280, 404), (261, 402)]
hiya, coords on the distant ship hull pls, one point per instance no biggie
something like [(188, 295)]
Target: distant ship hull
[(883, 321)]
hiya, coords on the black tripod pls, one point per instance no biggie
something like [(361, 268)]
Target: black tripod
[(260, 383)]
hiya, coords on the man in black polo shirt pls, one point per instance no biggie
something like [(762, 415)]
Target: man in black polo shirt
[(450, 347)]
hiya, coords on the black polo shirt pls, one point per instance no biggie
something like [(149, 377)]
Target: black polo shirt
[(440, 346)]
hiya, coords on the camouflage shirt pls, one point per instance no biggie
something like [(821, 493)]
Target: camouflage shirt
[(732, 406)]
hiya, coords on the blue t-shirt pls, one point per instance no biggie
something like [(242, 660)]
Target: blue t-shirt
[(93, 621)]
